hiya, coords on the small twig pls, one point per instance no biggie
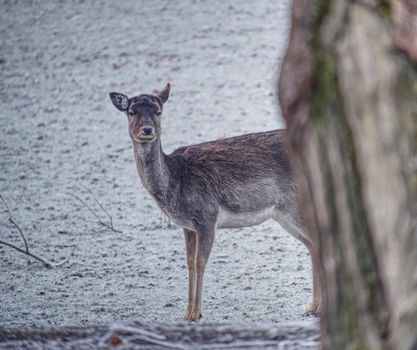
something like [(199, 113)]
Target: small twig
[(42, 260), (100, 205), (65, 260), (47, 263), (117, 328), (88, 207), (100, 222), (15, 224)]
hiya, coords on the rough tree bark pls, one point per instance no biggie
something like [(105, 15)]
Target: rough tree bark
[(348, 92)]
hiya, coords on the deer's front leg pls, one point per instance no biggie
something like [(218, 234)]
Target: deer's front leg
[(205, 239), (191, 249)]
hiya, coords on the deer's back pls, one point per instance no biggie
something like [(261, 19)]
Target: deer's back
[(242, 174)]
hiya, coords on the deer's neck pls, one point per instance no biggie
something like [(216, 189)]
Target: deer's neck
[(153, 170)]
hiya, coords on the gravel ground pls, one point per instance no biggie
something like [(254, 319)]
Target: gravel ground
[(60, 135)]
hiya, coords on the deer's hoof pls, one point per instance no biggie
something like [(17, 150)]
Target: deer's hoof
[(313, 309), (193, 315)]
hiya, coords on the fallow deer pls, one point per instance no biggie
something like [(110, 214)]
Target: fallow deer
[(233, 182)]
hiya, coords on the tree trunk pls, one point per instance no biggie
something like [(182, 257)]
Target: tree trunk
[(348, 92)]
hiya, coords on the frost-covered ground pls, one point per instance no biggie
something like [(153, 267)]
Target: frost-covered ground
[(59, 132)]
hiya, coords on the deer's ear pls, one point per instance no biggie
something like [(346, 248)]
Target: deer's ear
[(120, 101), (164, 94)]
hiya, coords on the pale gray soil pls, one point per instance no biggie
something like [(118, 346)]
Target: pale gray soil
[(59, 131)]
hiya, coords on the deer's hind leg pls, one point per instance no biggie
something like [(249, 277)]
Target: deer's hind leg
[(293, 227), (191, 249)]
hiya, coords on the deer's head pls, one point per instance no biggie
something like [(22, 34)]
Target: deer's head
[(143, 113)]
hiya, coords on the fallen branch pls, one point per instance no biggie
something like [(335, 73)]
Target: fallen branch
[(109, 224), (15, 224), (47, 263), (184, 336)]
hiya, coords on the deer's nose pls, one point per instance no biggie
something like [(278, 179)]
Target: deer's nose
[(147, 130)]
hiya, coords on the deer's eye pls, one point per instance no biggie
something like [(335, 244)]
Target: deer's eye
[(130, 114), (158, 113)]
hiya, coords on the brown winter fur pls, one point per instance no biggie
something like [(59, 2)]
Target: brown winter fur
[(233, 182)]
